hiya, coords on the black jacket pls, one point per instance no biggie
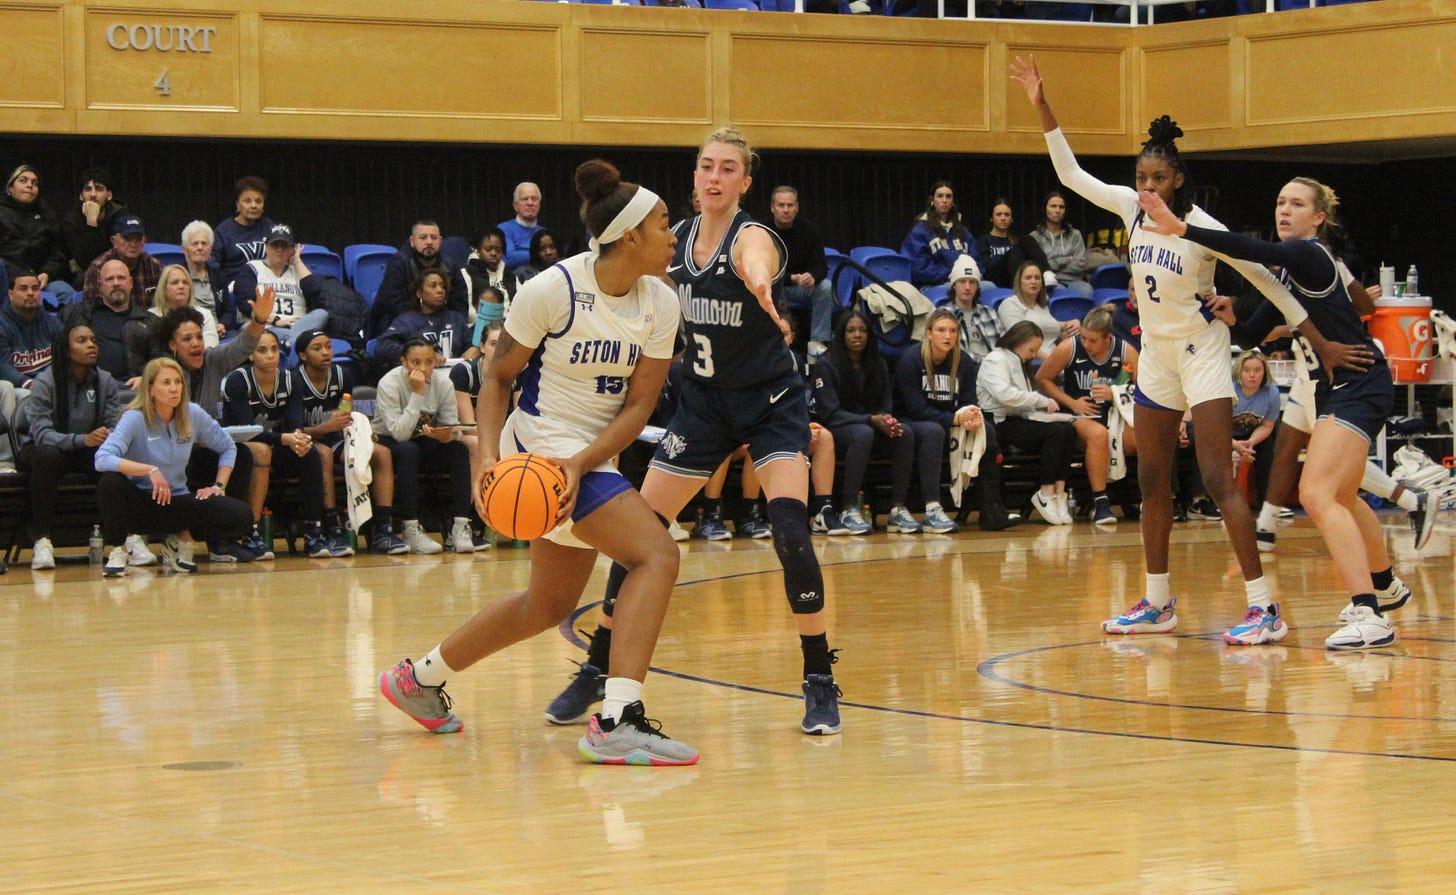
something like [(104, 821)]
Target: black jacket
[(30, 236), (83, 242)]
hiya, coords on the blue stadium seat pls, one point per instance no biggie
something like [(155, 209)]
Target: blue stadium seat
[(991, 296), (353, 252), (1110, 276), (730, 4), (1103, 296), (368, 269), (320, 260), (165, 252), (887, 264), (1068, 305), (938, 295)]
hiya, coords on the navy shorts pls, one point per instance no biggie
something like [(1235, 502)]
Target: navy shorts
[(711, 423), (1360, 403)]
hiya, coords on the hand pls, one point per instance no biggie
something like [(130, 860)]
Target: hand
[(1070, 328), (482, 472), (1340, 355), (1244, 450), (161, 491), (1025, 73), (417, 380), (338, 422), (134, 383), (96, 436), (209, 491), (1374, 291), (441, 434), (302, 443), (1183, 434), (815, 431), (1160, 218), (571, 468), (221, 331), (262, 308), (44, 278), (1101, 392), (286, 321), (805, 280), (895, 430), (1052, 406), (1222, 307), (92, 211), (1085, 406), (971, 418)]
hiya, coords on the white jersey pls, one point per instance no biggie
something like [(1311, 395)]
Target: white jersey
[(285, 287), (1171, 275), (587, 344)]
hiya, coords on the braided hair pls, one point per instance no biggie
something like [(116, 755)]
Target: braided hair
[(1162, 134), (62, 369)]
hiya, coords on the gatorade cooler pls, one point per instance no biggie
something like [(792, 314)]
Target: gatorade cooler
[(1402, 326)]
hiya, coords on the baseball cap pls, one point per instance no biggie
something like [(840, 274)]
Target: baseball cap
[(281, 233), (128, 225)]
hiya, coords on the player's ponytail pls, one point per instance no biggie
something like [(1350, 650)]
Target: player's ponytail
[(1331, 232), (1162, 144)]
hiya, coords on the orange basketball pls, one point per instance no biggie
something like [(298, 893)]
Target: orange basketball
[(521, 496)]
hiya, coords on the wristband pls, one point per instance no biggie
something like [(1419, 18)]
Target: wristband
[(221, 486)]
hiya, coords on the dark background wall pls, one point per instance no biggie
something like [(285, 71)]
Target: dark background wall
[(340, 193)]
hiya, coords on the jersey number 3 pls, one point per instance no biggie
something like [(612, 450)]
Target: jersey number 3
[(703, 360)]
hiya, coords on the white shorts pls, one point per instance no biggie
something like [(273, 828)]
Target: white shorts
[(549, 438), (1175, 374)]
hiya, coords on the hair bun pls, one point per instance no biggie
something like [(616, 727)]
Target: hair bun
[(596, 180), (1164, 131)]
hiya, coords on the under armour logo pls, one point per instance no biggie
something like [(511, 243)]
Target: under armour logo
[(1192, 349)]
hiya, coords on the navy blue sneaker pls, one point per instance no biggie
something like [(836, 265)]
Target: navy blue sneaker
[(384, 542), (229, 551), (588, 687), (315, 544), (260, 549), (821, 705)]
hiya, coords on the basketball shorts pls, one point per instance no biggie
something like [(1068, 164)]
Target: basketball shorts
[(1176, 374), (1299, 407), (1360, 403), (524, 432), (711, 423)]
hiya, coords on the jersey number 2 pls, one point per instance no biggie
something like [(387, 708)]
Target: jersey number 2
[(703, 363), (1152, 288)]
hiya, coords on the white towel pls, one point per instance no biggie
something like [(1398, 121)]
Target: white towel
[(1445, 329), (1118, 418), (966, 449), (358, 452)]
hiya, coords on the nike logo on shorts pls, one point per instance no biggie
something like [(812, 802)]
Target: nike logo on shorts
[(775, 398), (1338, 387)]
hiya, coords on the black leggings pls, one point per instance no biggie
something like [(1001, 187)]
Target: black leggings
[(1052, 442), (920, 449), (309, 471), (46, 465), (125, 507), (427, 453), (202, 471)]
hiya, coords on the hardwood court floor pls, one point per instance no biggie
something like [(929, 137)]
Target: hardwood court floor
[(223, 732)]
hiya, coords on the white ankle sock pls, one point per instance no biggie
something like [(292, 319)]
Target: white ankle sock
[(1268, 516), (1257, 592), (621, 692), (431, 671), (1157, 589)]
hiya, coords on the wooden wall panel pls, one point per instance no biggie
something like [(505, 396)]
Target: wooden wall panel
[(1168, 74), (655, 76), (169, 63), (1087, 88), (32, 68)]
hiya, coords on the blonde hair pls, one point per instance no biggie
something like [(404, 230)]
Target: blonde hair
[(1326, 201), (732, 136), (1253, 354), (1099, 320), (182, 418), (159, 295), (936, 316)]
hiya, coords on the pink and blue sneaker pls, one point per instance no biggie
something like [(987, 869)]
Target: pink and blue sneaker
[(1144, 618), (1260, 625)]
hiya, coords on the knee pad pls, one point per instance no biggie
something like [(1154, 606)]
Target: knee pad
[(803, 582)]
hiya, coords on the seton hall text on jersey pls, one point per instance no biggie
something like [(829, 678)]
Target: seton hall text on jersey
[(603, 351), (1159, 256), (715, 312)]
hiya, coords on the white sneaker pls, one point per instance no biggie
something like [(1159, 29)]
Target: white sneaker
[(1365, 630), (859, 7), (42, 556), (179, 555), (8, 469), (1063, 510), (815, 349), (1046, 508), (115, 563), (461, 537), (137, 552), (677, 532), (418, 541)]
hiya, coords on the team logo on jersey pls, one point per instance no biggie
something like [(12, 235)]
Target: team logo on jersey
[(585, 299), (673, 444), (1192, 349)]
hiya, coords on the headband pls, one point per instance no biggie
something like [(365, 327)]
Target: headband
[(635, 212)]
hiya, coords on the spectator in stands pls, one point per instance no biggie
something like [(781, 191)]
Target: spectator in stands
[(120, 323), (980, 326), (526, 200), (144, 485), (179, 335), (30, 233), (72, 408), (1028, 301), (938, 384), (26, 331), (1004, 250), (483, 285), (806, 275), (393, 297), (1005, 390), (544, 253), (429, 320), (244, 236), (937, 239), (314, 406), (128, 237), (282, 270), (87, 225), (467, 378), (259, 394), (1256, 411), (174, 290), (1080, 375), (1066, 252), (853, 398), (414, 416), (209, 289)]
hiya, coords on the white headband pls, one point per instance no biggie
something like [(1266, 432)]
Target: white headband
[(636, 211)]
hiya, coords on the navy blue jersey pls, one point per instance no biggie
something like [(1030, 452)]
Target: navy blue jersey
[(309, 406), (732, 342), (244, 403), (466, 378), (1077, 377)]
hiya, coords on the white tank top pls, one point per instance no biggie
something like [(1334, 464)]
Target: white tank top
[(286, 287)]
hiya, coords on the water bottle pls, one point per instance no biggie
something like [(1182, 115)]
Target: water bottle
[(346, 403), (95, 545), (1412, 281), (869, 515)]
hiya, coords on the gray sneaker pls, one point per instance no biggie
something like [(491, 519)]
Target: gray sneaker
[(430, 706), (937, 522), (1423, 517), (854, 522), (821, 705), (901, 522), (633, 739), (588, 686)]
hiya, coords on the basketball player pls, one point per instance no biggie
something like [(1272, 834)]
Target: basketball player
[(1350, 407), (739, 386), (1183, 364), (591, 339)]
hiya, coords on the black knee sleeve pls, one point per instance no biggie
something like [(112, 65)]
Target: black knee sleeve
[(803, 582), (617, 574)]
